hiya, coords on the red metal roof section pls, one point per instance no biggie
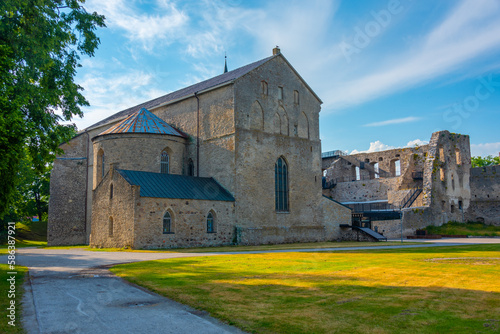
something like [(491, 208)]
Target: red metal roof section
[(144, 121)]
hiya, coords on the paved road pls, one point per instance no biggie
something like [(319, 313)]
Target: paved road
[(68, 293)]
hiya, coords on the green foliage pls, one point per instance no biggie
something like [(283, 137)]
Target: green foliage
[(40, 46), (469, 228), (486, 161)]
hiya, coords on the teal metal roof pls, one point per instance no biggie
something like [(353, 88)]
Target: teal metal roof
[(144, 121), (176, 186)]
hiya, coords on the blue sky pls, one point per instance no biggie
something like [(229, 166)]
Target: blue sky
[(389, 72)]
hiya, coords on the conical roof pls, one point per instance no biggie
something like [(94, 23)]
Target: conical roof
[(144, 121)]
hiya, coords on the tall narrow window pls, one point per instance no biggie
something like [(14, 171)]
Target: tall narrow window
[(210, 222), (376, 168), (296, 96), (281, 185), (457, 156), (167, 223), (190, 168), (111, 191), (280, 93), (99, 168), (164, 162), (110, 226)]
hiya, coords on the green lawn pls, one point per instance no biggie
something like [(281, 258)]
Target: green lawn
[(420, 290), (470, 228), (5, 300)]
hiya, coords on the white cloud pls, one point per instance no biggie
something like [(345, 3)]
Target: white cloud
[(395, 121), (378, 146), (485, 149), (110, 94), (148, 29), (469, 31)]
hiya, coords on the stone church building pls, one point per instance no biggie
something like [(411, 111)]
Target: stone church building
[(235, 159)]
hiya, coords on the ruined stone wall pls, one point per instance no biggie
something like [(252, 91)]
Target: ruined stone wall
[(139, 151), (447, 188), (485, 195), (189, 223), (120, 207), (270, 126), (67, 214)]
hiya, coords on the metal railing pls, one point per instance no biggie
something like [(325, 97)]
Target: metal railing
[(411, 196), (365, 207), (330, 154)]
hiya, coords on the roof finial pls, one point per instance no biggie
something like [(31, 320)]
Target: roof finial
[(225, 63)]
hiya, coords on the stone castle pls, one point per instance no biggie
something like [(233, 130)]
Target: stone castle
[(236, 159), (428, 185)]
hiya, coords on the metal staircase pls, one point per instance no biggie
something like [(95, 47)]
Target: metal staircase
[(411, 197)]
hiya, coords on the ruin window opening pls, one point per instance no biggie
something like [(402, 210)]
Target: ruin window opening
[(358, 173), (395, 167), (167, 223), (441, 153), (457, 156), (211, 222), (441, 174), (110, 226), (452, 209), (460, 205), (452, 182), (280, 93), (380, 159), (111, 191), (281, 185), (376, 169), (165, 162)]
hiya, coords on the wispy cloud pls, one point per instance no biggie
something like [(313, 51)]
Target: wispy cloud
[(147, 29), (485, 149), (395, 121), (470, 30), (378, 146)]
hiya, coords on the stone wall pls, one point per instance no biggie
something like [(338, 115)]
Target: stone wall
[(139, 151), (189, 223), (270, 126), (120, 207), (485, 195), (67, 208)]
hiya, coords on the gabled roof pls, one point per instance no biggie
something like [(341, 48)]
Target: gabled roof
[(207, 84), (143, 121), (176, 186)]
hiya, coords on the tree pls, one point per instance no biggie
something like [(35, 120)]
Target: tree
[(40, 46), (486, 161)]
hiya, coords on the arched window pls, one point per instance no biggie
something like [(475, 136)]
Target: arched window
[(100, 165), (190, 170), (210, 222), (281, 185), (110, 226), (167, 223), (165, 161), (111, 191)]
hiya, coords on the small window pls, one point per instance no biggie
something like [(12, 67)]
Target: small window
[(441, 174), (102, 165), (380, 159), (167, 223), (358, 174), (210, 223), (280, 93), (110, 226), (460, 205), (165, 163), (263, 86), (190, 170), (111, 191), (441, 154), (296, 96)]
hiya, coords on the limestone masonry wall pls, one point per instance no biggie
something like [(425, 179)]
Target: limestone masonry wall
[(485, 195)]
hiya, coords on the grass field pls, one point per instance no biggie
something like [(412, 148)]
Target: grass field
[(29, 234), (420, 290), (471, 228), (5, 300)]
